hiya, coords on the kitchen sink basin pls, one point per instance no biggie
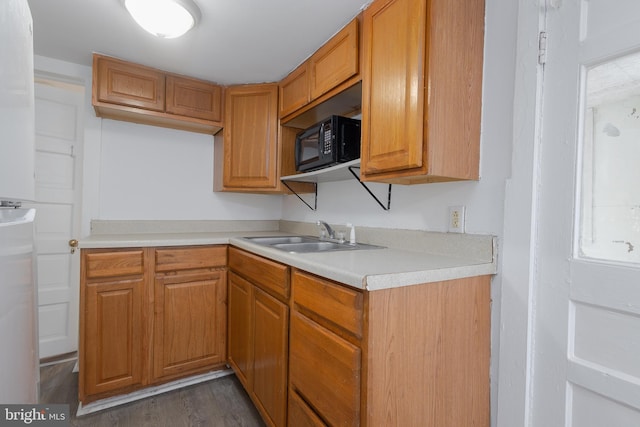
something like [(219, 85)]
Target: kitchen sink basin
[(306, 244), (274, 240)]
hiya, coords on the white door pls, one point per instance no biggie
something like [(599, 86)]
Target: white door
[(586, 341), (59, 138)]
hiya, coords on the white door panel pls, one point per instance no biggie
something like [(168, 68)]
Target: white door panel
[(591, 410), (59, 131), (586, 346)]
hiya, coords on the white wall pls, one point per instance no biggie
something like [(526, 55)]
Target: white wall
[(142, 172), (148, 172)]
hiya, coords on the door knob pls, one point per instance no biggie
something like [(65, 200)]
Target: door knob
[(73, 243)]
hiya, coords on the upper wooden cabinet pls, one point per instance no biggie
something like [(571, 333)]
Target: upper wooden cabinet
[(294, 90), (254, 151), (194, 98), (335, 63), (250, 146), (422, 90), (139, 94)]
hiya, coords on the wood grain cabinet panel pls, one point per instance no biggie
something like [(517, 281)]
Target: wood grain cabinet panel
[(190, 322), (259, 334), (324, 83), (335, 61), (191, 257), (300, 415), (112, 322), (113, 344), (271, 276), (100, 264), (412, 355), (150, 315), (194, 98), (337, 304), (325, 370), (134, 93), (240, 328), (421, 90), (124, 83), (428, 354), (294, 90), (271, 343), (251, 137)]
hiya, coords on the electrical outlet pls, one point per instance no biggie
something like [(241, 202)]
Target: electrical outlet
[(456, 219)]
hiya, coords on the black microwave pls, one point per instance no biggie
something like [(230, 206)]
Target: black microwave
[(332, 141)]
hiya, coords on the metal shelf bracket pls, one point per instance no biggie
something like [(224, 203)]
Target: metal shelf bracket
[(357, 177), (314, 207), (315, 195)]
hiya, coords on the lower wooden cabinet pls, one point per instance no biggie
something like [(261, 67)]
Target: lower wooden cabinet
[(114, 336), (325, 362), (271, 318), (325, 370), (309, 351), (150, 315), (258, 331), (112, 321), (189, 322), (407, 356)]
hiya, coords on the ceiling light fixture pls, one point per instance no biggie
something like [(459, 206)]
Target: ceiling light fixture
[(164, 18)]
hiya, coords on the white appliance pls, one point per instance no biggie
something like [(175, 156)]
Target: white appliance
[(19, 370), (19, 362)]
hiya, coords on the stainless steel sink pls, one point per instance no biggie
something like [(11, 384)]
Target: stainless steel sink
[(274, 240), (306, 244)]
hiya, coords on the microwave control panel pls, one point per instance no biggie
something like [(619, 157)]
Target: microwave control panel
[(327, 140)]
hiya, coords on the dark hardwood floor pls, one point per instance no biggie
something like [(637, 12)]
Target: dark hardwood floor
[(218, 403)]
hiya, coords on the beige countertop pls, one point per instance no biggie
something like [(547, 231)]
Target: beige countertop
[(399, 263)]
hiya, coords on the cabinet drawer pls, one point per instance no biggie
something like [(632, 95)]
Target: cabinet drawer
[(113, 263), (185, 258), (336, 303), (270, 276), (325, 370), (300, 415)]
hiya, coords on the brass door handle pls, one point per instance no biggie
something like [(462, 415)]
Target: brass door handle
[(73, 243)]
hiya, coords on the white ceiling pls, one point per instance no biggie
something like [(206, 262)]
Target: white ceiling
[(236, 41)]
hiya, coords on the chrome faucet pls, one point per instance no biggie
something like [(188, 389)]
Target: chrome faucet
[(325, 229)]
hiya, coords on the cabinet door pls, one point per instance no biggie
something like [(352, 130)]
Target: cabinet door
[(335, 61), (128, 84), (190, 322), (251, 136), (241, 328), (393, 85), (113, 335), (325, 370), (294, 90), (271, 319), (194, 98)]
